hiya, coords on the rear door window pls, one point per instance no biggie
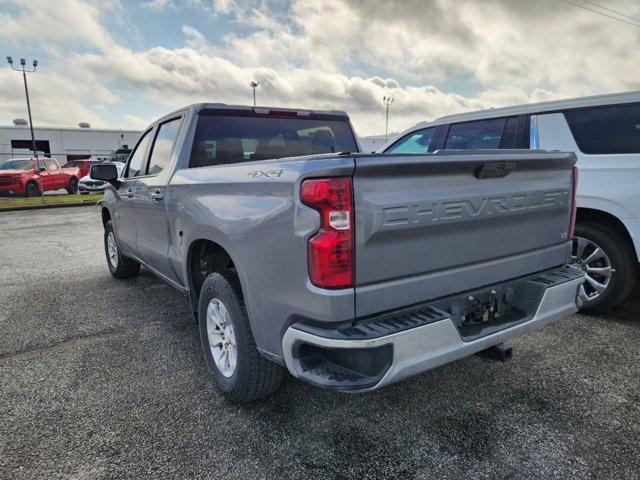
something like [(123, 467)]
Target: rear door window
[(606, 130), (225, 139), (415, 142), (477, 134)]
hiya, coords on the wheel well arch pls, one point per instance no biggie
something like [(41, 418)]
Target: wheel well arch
[(106, 216), (204, 257), (592, 215)]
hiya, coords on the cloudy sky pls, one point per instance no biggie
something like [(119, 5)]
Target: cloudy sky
[(116, 63)]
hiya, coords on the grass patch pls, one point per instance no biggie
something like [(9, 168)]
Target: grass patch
[(11, 202)]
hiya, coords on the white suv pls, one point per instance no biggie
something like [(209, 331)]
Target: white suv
[(604, 132)]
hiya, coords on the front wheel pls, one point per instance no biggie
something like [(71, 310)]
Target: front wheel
[(608, 263), (237, 368), (32, 190), (72, 189), (119, 265)]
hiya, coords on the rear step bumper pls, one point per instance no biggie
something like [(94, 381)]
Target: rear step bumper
[(380, 351)]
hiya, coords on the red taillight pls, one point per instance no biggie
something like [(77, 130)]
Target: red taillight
[(330, 254), (574, 203)]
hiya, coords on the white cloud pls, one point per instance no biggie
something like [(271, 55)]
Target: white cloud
[(136, 122), (55, 99), (157, 4), (60, 20)]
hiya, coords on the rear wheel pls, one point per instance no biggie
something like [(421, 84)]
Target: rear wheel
[(73, 186), (119, 265), (608, 263), (237, 368), (32, 190)]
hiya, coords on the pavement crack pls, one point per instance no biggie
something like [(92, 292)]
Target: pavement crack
[(74, 341)]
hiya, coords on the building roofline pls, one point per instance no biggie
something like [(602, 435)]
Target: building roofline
[(78, 129)]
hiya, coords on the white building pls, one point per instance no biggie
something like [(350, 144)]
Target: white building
[(64, 143)]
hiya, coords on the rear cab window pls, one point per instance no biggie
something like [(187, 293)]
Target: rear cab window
[(226, 138), (606, 130)]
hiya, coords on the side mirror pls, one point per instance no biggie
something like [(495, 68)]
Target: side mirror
[(106, 172), (43, 169)]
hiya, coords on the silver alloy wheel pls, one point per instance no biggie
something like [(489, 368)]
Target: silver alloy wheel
[(596, 265), (112, 249), (222, 338)]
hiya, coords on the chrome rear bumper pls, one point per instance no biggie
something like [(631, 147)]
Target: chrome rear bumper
[(416, 350)]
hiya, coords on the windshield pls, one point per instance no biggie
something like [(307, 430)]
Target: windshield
[(222, 139), (16, 165)]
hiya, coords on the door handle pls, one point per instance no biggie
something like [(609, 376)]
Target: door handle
[(157, 195), (129, 192)]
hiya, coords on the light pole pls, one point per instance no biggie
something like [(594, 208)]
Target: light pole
[(387, 102), (253, 84), (24, 71)]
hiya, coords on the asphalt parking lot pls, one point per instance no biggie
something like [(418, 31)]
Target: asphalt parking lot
[(102, 378)]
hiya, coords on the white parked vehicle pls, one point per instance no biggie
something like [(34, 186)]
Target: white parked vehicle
[(604, 132), (88, 185)]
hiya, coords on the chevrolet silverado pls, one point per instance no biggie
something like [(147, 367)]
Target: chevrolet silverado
[(350, 270)]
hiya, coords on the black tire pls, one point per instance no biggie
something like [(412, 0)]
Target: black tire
[(254, 376), (623, 264), (31, 190), (120, 266), (72, 189)]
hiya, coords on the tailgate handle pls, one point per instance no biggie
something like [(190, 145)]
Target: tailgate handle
[(495, 170)]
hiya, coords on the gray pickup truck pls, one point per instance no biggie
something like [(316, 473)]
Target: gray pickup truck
[(351, 270)]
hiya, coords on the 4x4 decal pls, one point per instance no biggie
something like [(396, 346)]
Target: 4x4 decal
[(268, 174)]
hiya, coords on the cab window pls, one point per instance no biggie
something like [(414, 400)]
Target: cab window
[(227, 139), (163, 145), (477, 134), (415, 142), (136, 161)]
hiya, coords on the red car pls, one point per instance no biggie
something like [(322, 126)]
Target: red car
[(83, 164), (20, 176)]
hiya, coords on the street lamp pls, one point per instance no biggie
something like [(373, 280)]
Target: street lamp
[(387, 102), (23, 68), (253, 84)]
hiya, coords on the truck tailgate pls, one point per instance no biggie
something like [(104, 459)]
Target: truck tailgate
[(436, 224)]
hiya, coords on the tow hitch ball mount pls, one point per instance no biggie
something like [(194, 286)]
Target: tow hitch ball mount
[(500, 353)]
